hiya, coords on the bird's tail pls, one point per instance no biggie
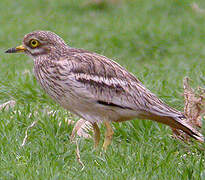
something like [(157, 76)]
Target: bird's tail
[(181, 124), (178, 122)]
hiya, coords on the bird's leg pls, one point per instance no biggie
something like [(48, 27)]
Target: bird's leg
[(108, 135), (96, 134)]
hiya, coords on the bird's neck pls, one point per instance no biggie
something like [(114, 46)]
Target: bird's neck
[(42, 60)]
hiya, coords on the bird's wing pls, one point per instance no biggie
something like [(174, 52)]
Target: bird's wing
[(103, 81)]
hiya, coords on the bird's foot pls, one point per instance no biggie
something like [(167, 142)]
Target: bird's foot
[(108, 135), (96, 133)]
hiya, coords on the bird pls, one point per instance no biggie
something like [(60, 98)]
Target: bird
[(94, 87)]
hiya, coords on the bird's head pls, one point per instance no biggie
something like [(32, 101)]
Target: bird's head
[(40, 43)]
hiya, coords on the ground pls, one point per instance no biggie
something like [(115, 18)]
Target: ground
[(158, 41)]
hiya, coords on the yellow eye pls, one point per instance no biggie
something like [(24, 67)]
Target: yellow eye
[(34, 43)]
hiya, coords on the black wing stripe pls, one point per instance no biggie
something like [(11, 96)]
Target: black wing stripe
[(112, 104)]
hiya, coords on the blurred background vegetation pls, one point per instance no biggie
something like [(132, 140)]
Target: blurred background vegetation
[(159, 41)]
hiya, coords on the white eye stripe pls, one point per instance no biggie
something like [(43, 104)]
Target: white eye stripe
[(41, 41), (35, 51)]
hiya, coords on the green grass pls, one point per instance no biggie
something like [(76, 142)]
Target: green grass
[(158, 41)]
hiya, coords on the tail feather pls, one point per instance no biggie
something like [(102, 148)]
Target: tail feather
[(178, 122), (188, 129)]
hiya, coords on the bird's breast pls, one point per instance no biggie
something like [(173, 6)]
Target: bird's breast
[(50, 82)]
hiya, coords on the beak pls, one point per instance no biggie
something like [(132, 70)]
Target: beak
[(17, 49)]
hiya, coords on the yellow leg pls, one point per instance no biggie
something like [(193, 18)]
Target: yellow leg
[(96, 135), (108, 135)]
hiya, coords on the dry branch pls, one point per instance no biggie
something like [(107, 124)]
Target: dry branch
[(194, 108)]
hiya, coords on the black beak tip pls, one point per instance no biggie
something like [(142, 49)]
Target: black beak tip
[(12, 50)]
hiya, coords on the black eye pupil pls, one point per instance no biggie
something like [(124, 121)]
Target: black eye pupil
[(33, 42)]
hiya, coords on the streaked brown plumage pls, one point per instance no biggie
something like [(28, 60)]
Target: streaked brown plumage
[(95, 87)]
